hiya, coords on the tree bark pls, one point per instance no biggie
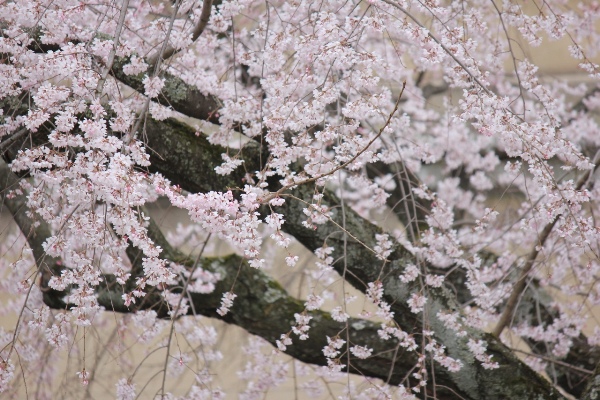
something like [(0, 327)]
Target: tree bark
[(189, 161), (364, 267)]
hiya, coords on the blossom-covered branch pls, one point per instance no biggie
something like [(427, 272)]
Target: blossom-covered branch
[(265, 316), (177, 143), (319, 120)]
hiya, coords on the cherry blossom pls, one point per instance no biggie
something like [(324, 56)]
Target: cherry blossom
[(410, 173)]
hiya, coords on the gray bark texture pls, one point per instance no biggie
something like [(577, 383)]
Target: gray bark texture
[(263, 307)]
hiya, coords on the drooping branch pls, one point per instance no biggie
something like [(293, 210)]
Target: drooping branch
[(36, 232), (198, 29), (362, 264), (189, 160), (262, 307), (531, 304), (177, 144)]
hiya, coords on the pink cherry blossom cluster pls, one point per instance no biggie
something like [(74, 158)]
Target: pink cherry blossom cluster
[(348, 98)]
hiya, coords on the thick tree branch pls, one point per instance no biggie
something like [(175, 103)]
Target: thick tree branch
[(36, 233), (265, 309), (176, 145), (363, 266), (262, 307), (592, 391), (176, 93)]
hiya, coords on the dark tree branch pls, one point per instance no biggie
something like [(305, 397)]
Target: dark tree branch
[(177, 145), (198, 29), (36, 235), (581, 353), (592, 391), (362, 265), (262, 307)]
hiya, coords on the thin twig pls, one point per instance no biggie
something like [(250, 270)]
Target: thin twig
[(435, 39), (558, 362), (344, 165), (16, 136), (198, 29), (176, 312), (155, 72), (520, 285), (113, 51), (512, 53)]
